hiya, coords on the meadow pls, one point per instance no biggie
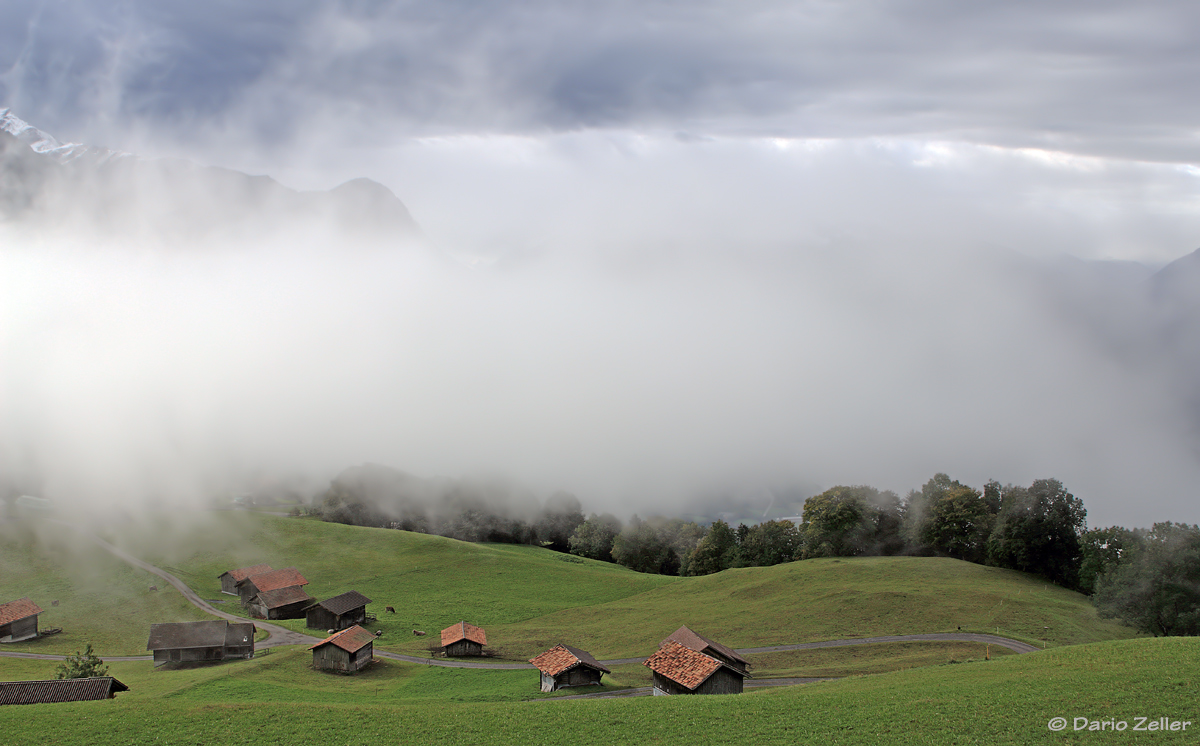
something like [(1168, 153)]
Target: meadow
[(529, 599), (277, 698)]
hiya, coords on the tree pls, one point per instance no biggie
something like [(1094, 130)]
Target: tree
[(957, 523), (950, 518), (770, 543), (1039, 531), (81, 665), (850, 521), (561, 516), (1103, 550), (639, 547), (717, 551), (682, 536), (594, 537), (1157, 590)]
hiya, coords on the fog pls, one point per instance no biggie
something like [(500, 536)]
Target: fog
[(665, 256), (635, 374)]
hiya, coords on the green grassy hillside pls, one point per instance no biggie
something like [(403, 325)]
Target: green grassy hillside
[(431, 581), (1008, 700), (530, 599), (100, 599), (826, 599)]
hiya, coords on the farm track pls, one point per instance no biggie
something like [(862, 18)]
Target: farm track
[(282, 636)]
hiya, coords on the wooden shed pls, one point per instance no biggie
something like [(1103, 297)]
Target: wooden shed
[(681, 670), (563, 665), (59, 690), (712, 648), (282, 603), (272, 580), (19, 620), (339, 612), (463, 640), (176, 642), (230, 578), (348, 651)]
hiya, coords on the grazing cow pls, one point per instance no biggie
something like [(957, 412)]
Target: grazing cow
[(389, 608), (154, 587), (379, 633), (418, 633)]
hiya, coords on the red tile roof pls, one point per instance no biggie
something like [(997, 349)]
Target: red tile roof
[(682, 665), (463, 631), (245, 572), (276, 579), (702, 644), (19, 609), (283, 597), (351, 639), (562, 658)]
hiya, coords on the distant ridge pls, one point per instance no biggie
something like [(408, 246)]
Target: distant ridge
[(47, 185)]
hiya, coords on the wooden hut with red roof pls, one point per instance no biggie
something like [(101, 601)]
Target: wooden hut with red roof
[(563, 665), (680, 670), (271, 580), (348, 651), (19, 620), (463, 640), (230, 578), (712, 648)]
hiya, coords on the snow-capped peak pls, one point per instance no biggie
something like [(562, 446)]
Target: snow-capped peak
[(41, 142)]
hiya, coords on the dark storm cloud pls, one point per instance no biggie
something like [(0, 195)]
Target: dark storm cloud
[(1104, 78)]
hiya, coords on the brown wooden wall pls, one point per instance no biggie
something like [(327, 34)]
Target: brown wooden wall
[(578, 676), (723, 681), (464, 649), (332, 658), (20, 628), (318, 617)]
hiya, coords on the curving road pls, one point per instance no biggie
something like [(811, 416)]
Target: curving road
[(283, 636)]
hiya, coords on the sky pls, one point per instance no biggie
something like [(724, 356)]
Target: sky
[(699, 247)]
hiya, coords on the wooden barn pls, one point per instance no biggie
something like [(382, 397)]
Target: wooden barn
[(463, 640), (348, 651), (60, 690), (563, 666), (272, 580), (19, 620), (201, 641), (283, 603), (702, 644), (681, 670), (230, 578), (339, 612)]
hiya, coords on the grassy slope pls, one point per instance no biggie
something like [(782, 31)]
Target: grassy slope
[(101, 599), (431, 581), (530, 599), (1003, 701), (823, 600)]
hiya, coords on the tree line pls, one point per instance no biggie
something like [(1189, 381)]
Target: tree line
[(1148, 578)]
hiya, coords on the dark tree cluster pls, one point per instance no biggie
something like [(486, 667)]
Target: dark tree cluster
[(469, 510), (1036, 529), (1149, 580)]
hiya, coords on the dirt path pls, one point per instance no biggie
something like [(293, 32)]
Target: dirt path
[(282, 636)]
